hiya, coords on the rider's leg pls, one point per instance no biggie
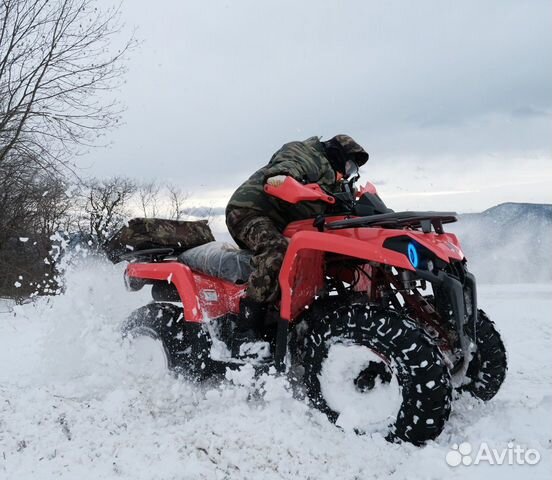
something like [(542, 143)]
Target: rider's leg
[(269, 248), (259, 234)]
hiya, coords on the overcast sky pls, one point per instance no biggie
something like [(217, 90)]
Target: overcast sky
[(452, 99)]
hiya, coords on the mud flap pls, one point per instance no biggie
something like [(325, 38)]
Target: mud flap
[(281, 345)]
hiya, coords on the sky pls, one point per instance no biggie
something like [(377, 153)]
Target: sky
[(453, 100)]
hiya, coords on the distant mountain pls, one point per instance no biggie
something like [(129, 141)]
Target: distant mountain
[(511, 242), (510, 212)]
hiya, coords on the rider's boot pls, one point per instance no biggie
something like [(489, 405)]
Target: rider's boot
[(246, 342)]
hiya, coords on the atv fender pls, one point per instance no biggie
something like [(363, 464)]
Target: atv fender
[(202, 296), (300, 284)]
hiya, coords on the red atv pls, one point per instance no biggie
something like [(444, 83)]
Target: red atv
[(378, 316)]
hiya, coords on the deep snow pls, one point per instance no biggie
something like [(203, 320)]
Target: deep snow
[(74, 406)]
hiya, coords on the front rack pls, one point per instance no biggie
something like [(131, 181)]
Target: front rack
[(416, 220)]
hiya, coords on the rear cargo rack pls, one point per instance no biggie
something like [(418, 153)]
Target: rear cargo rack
[(149, 255)]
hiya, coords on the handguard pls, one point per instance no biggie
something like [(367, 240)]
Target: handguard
[(292, 191)]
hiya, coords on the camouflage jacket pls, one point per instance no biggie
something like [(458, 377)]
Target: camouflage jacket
[(306, 162)]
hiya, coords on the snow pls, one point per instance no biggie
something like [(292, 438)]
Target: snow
[(73, 404), (370, 411), (147, 355)]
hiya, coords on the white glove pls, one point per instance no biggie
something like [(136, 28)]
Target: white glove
[(276, 181)]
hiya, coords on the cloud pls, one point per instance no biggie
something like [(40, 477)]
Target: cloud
[(529, 111), (219, 86)]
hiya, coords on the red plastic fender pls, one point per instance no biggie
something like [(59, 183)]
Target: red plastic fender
[(362, 243), (202, 296), (334, 243)]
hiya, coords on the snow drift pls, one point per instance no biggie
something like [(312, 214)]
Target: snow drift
[(73, 405)]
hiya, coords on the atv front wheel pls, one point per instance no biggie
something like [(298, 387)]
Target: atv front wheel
[(375, 371), (156, 327), (487, 370)]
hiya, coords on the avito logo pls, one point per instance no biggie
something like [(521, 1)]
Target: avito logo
[(463, 454)]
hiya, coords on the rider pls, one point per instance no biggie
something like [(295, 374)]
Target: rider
[(256, 220)]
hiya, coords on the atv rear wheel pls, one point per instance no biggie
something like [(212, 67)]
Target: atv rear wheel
[(487, 370), (376, 371), (159, 322)]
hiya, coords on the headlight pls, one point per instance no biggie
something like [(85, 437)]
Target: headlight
[(419, 256), (413, 255)]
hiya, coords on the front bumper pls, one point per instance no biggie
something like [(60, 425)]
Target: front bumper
[(462, 294)]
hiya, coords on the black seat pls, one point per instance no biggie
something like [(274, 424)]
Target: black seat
[(219, 259)]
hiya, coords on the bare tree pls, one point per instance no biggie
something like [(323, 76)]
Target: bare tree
[(31, 200), (105, 204), (148, 197), (176, 199), (34, 205), (56, 64)]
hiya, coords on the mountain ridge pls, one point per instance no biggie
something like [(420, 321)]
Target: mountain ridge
[(545, 208), (509, 242)]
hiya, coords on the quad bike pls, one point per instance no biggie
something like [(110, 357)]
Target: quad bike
[(378, 317)]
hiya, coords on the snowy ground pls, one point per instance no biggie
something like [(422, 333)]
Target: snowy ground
[(72, 405)]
